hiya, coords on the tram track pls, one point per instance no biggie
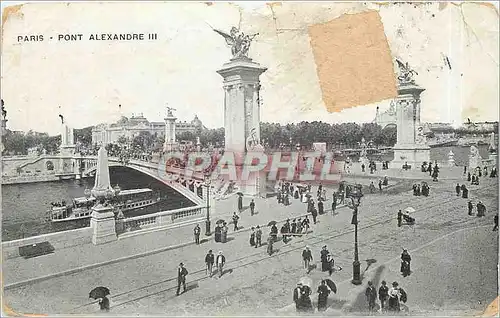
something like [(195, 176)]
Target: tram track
[(247, 260)]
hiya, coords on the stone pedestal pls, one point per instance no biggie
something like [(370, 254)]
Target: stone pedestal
[(242, 117), (410, 147), (103, 225)]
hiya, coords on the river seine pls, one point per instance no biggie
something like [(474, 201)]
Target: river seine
[(25, 206)]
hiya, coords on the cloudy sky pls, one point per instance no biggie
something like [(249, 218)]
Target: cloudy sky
[(87, 80)]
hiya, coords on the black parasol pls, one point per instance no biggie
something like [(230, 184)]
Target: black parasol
[(331, 285), (221, 221), (99, 292), (271, 223)]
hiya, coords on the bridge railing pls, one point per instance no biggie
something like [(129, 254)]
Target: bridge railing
[(160, 219)]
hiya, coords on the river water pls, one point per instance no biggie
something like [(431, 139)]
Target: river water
[(25, 206)]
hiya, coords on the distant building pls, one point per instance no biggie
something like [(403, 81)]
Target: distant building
[(133, 126), (386, 118)]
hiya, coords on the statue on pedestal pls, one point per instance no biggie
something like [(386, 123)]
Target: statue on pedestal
[(252, 142), (239, 42), (406, 74), (169, 111)]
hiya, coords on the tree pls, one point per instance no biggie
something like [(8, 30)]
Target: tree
[(84, 136), (186, 136), (143, 141)]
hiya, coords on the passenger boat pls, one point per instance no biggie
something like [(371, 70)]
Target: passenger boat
[(124, 200)]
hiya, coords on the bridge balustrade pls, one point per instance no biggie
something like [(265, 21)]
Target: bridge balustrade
[(160, 219)]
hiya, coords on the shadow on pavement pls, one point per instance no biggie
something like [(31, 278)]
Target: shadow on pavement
[(360, 304)]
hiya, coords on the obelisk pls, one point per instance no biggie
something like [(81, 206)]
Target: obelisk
[(103, 217)]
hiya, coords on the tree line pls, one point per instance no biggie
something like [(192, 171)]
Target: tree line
[(273, 136)]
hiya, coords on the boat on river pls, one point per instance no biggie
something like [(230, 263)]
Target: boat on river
[(81, 208)]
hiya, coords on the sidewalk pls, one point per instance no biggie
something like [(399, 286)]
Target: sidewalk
[(78, 258)]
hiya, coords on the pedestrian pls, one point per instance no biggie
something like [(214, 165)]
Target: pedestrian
[(495, 220), (457, 189), (197, 231), (283, 231), (362, 167), (270, 241), (323, 293), (305, 225), (297, 292), (104, 304), (181, 278), (465, 170), (372, 187), (274, 232), (371, 296), (224, 233), (405, 263), (400, 218), (220, 261), (386, 181), (468, 176), (258, 237), (252, 207), (383, 294), (418, 190), (209, 261), (394, 295), (481, 209), (299, 226), (307, 257), (314, 214), (414, 189), (380, 185), (324, 258), (465, 191), (252, 237), (330, 263), (293, 227), (305, 299), (320, 207), (235, 221), (240, 203), (470, 206)]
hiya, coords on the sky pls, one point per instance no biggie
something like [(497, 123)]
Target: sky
[(86, 81)]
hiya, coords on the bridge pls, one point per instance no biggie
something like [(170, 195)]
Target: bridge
[(24, 169)]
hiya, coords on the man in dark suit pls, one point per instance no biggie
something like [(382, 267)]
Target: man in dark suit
[(220, 261), (181, 278), (209, 261)]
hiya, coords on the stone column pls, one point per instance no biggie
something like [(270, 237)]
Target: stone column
[(410, 147), (170, 140), (241, 85), (242, 114)]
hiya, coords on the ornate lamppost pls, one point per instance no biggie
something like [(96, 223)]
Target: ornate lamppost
[(207, 183), (354, 200)]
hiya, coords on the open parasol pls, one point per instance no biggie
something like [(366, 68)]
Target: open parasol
[(271, 223), (221, 221), (99, 292), (331, 285), (409, 209)]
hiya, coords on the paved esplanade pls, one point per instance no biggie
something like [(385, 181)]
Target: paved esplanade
[(454, 259)]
